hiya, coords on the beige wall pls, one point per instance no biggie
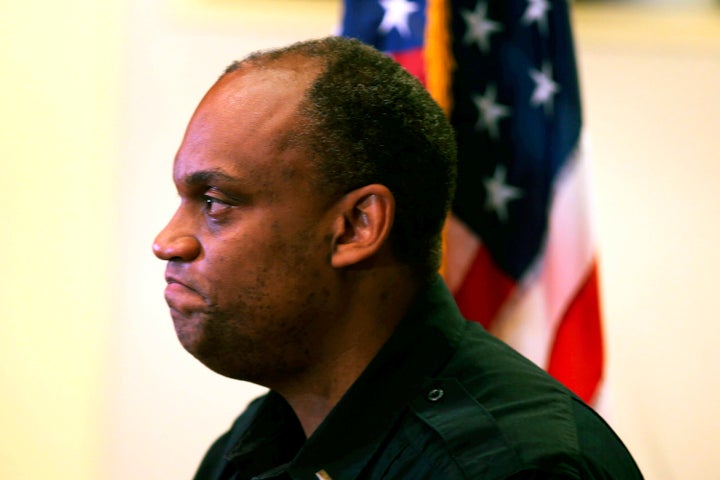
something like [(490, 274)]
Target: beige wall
[(95, 97), (58, 129)]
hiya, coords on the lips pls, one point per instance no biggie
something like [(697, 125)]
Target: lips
[(182, 297)]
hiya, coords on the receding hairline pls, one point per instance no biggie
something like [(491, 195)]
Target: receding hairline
[(295, 60), (302, 72)]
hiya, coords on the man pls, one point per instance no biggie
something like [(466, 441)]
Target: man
[(314, 181)]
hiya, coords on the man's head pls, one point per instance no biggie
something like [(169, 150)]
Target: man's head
[(298, 166), (366, 120)]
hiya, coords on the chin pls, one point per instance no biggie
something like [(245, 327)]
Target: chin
[(266, 372)]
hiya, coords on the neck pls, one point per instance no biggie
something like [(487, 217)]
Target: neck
[(374, 306)]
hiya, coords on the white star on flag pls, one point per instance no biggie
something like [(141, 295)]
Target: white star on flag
[(490, 112), (545, 88), (479, 27), (396, 16), (536, 12), (499, 193)]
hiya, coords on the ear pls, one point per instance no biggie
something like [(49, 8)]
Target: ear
[(363, 225)]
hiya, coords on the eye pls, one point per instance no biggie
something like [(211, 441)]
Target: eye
[(214, 206)]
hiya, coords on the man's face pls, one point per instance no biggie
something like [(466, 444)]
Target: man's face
[(247, 251)]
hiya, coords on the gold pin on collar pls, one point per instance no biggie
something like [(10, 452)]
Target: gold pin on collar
[(323, 475)]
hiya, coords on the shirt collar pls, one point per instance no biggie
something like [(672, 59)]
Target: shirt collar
[(271, 438)]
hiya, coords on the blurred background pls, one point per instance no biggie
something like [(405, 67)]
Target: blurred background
[(95, 97)]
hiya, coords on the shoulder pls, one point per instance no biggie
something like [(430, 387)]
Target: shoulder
[(491, 413)]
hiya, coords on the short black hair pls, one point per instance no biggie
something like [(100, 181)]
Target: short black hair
[(369, 121)]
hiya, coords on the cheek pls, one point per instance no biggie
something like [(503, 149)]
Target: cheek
[(266, 264), (296, 275), (250, 270), (293, 249)]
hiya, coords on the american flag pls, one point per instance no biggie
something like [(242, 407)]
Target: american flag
[(519, 255)]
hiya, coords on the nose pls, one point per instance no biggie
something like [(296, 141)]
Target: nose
[(175, 243)]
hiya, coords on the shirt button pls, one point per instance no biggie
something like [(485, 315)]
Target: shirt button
[(435, 394)]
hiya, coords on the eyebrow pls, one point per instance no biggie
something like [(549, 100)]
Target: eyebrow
[(202, 177)]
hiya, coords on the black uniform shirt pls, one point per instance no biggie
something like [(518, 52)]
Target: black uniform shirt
[(442, 400)]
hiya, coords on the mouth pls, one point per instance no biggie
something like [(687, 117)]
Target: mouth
[(182, 297), (171, 280)]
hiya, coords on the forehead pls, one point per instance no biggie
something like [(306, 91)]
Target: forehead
[(243, 122)]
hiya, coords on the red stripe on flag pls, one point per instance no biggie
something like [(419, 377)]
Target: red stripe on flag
[(576, 358), (413, 60), (484, 290)]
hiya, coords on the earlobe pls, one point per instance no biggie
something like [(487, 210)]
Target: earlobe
[(363, 225)]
